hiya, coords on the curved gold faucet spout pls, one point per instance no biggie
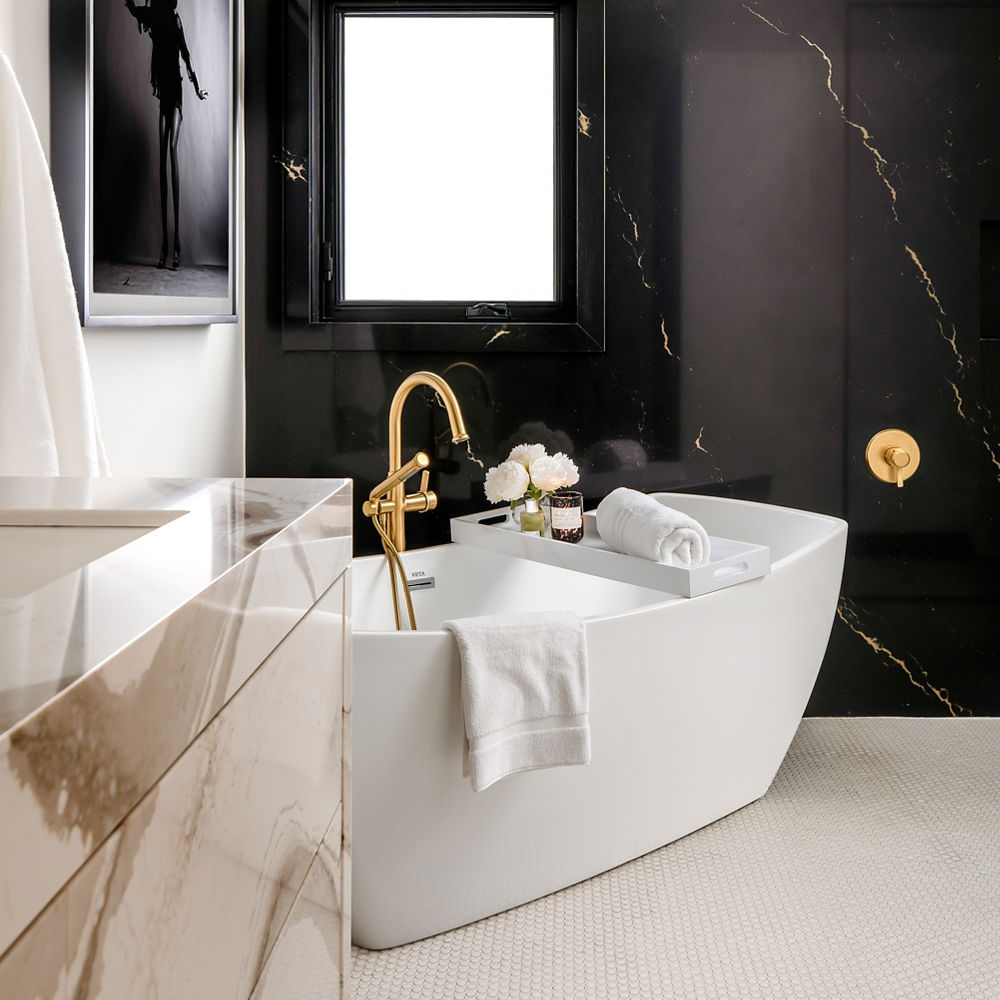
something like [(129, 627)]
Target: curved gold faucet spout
[(394, 523)]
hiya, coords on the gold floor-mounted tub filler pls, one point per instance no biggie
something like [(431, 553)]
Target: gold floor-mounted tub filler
[(388, 503)]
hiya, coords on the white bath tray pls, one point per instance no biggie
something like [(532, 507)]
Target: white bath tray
[(731, 561)]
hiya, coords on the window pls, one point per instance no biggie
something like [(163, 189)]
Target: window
[(460, 196), (447, 187)]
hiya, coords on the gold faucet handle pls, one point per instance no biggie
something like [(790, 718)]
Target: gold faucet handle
[(897, 459), (419, 461), (423, 500), (413, 503)]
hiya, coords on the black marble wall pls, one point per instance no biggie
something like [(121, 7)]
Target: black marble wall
[(796, 192)]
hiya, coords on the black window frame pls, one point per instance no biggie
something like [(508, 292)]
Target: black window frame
[(575, 320)]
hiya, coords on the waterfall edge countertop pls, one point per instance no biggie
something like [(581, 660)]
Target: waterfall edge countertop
[(131, 610)]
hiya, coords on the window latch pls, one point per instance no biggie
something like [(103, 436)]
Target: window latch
[(488, 310), (327, 262)]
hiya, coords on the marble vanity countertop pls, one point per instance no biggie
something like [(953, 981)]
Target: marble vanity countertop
[(131, 610)]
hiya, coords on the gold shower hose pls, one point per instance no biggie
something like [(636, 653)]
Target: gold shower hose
[(396, 566)]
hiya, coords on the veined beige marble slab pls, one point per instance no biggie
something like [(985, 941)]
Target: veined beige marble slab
[(312, 953), (152, 639), (187, 897), (35, 967)]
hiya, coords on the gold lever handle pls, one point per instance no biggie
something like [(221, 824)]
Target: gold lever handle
[(419, 461), (898, 459), (420, 502), (424, 499), (892, 456)]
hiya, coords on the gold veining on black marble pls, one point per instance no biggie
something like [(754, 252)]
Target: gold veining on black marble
[(698, 446), (666, 337), (633, 244), (770, 24), (294, 168), (697, 441), (928, 285), (848, 614), (881, 163), (951, 341), (958, 399), (471, 457), (989, 450), (502, 332)]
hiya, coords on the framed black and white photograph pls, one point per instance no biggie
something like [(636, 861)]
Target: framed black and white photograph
[(159, 241)]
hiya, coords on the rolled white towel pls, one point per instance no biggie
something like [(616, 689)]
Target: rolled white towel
[(639, 525)]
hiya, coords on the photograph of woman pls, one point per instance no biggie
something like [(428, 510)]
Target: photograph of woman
[(159, 18), (161, 160)]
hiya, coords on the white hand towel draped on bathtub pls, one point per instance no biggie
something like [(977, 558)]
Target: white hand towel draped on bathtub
[(48, 422), (525, 692)]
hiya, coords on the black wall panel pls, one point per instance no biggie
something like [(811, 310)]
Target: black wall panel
[(795, 197)]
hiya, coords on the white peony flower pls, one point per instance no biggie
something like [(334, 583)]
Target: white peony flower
[(506, 481), (526, 453), (550, 472), (572, 472)]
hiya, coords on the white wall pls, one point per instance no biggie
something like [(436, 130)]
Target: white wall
[(170, 400)]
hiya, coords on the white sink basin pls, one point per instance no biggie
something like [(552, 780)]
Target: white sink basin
[(33, 556), (41, 548)]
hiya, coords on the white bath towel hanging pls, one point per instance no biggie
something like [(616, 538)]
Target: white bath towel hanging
[(525, 692), (48, 420)]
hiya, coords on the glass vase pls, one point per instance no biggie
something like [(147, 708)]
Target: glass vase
[(532, 519)]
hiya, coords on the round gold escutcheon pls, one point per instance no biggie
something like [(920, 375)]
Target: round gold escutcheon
[(892, 456)]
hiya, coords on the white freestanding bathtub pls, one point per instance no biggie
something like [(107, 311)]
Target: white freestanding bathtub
[(693, 704)]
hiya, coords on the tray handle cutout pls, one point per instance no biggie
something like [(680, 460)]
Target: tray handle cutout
[(725, 572)]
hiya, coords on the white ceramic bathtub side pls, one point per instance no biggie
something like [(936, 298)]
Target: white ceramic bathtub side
[(694, 703)]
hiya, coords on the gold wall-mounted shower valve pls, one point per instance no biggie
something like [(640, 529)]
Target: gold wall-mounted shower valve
[(892, 456)]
